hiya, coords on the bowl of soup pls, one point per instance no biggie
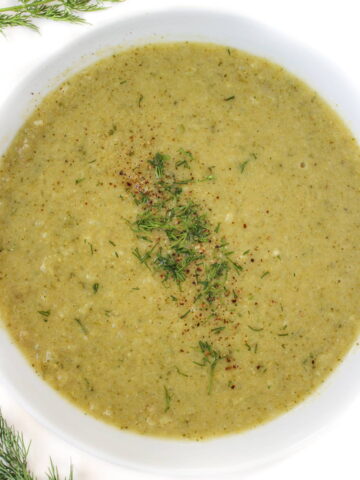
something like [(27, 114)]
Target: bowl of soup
[(179, 242)]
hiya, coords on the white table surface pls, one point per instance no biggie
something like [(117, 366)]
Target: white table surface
[(331, 27)]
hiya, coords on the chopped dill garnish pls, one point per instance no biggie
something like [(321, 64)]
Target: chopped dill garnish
[(141, 98), (207, 178), (112, 130), (143, 258), (283, 334), (95, 287), (167, 399), (217, 228), (112, 243), (265, 274), (179, 229), (186, 157), (229, 98), (215, 278), (184, 182), (143, 237), (122, 82), (186, 154), (247, 346), (79, 180), (210, 358), (182, 163), (92, 250), (185, 314), (158, 162), (255, 329), (246, 252), (44, 313), (238, 268), (180, 372), (82, 326), (217, 329), (242, 165)]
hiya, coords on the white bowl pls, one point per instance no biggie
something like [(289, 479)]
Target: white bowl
[(233, 452)]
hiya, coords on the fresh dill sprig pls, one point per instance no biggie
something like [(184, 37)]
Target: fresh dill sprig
[(53, 472), (24, 12), (14, 456)]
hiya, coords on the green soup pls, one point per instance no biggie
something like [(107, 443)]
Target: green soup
[(179, 240)]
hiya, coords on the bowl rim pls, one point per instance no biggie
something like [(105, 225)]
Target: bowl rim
[(18, 375)]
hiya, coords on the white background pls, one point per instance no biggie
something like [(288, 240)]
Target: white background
[(329, 26)]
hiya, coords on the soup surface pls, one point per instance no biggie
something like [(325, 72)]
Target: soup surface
[(179, 240)]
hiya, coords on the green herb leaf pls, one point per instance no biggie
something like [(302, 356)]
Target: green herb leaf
[(112, 130), (254, 329), (211, 357), (158, 162), (167, 399), (180, 372), (217, 329), (243, 165), (82, 326)]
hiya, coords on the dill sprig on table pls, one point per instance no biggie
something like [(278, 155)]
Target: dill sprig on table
[(24, 12), (14, 456)]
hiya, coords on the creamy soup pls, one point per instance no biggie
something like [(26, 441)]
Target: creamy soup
[(179, 240)]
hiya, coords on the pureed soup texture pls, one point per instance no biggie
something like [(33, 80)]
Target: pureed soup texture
[(179, 238)]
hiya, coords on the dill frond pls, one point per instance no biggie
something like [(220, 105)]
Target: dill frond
[(14, 456), (22, 14)]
